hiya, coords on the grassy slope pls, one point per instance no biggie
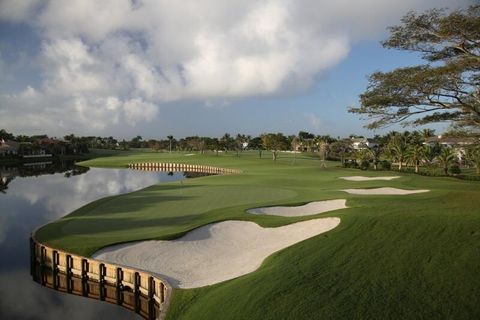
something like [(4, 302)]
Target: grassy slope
[(392, 257)]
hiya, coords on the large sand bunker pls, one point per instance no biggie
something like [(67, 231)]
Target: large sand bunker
[(383, 191), (213, 253), (308, 209), (362, 178)]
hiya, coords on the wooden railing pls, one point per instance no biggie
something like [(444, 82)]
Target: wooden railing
[(144, 293), (162, 166)]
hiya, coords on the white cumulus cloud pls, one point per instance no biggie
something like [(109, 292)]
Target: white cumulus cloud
[(111, 63)]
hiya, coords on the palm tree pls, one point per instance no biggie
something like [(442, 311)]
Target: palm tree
[(227, 142), (364, 156), (295, 141), (322, 149), (430, 158), (170, 138), (239, 140), (397, 149), (446, 158), (427, 133), (473, 156), (375, 154), (415, 155)]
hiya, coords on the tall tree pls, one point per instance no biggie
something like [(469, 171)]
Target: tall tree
[(446, 158), (430, 157), (415, 155), (397, 149), (341, 149), (227, 142), (427, 133), (170, 140), (363, 156), (256, 144), (473, 156), (322, 144), (446, 88), (375, 154), (4, 135), (240, 139), (274, 142)]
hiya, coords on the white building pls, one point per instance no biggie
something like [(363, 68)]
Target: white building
[(458, 144), (8, 148), (362, 143)]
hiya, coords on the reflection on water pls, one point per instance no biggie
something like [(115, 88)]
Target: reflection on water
[(65, 280), (9, 173), (31, 198)]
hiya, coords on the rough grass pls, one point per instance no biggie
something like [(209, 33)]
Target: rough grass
[(392, 257)]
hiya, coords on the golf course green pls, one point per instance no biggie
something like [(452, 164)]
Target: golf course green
[(392, 257)]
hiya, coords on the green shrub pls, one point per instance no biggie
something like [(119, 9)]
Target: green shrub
[(467, 177), (350, 164), (364, 165), (455, 169), (385, 165)]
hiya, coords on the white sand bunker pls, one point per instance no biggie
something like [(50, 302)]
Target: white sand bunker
[(213, 253), (383, 191), (308, 209), (362, 178)]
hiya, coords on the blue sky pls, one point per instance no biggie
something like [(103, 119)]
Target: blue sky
[(322, 109), (156, 68)]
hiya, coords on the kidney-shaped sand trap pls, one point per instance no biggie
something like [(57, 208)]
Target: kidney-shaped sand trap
[(383, 191), (308, 209), (213, 253), (362, 178)]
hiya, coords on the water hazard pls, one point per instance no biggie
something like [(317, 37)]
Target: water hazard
[(31, 196)]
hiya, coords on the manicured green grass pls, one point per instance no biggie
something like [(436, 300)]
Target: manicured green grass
[(392, 257)]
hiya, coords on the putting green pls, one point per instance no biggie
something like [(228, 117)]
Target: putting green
[(415, 256)]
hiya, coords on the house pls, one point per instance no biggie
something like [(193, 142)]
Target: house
[(458, 144), (306, 145), (362, 143), (53, 146), (449, 141), (8, 148)]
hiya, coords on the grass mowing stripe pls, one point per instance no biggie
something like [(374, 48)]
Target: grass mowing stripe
[(392, 257)]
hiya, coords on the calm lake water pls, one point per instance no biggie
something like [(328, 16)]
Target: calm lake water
[(33, 196)]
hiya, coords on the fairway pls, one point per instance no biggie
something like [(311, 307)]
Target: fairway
[(391, 257)]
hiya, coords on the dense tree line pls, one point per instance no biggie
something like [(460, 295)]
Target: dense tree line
[(408, 150), (412, 151)]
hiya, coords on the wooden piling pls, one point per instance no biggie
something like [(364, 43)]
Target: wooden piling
[(119, 286), (85, 277), (136, 291), (101, 281), (55, 259)]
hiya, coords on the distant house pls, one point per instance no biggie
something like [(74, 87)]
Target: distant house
[(458, 144), (53, 146), (362, 143), (449, 141), (305, 145), (8, 148)]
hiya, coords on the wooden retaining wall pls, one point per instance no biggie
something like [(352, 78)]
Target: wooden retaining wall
[(137, 290), (162, 166), (144, 293)]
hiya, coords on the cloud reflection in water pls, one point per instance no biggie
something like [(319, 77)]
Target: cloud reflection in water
[(33, 201)]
